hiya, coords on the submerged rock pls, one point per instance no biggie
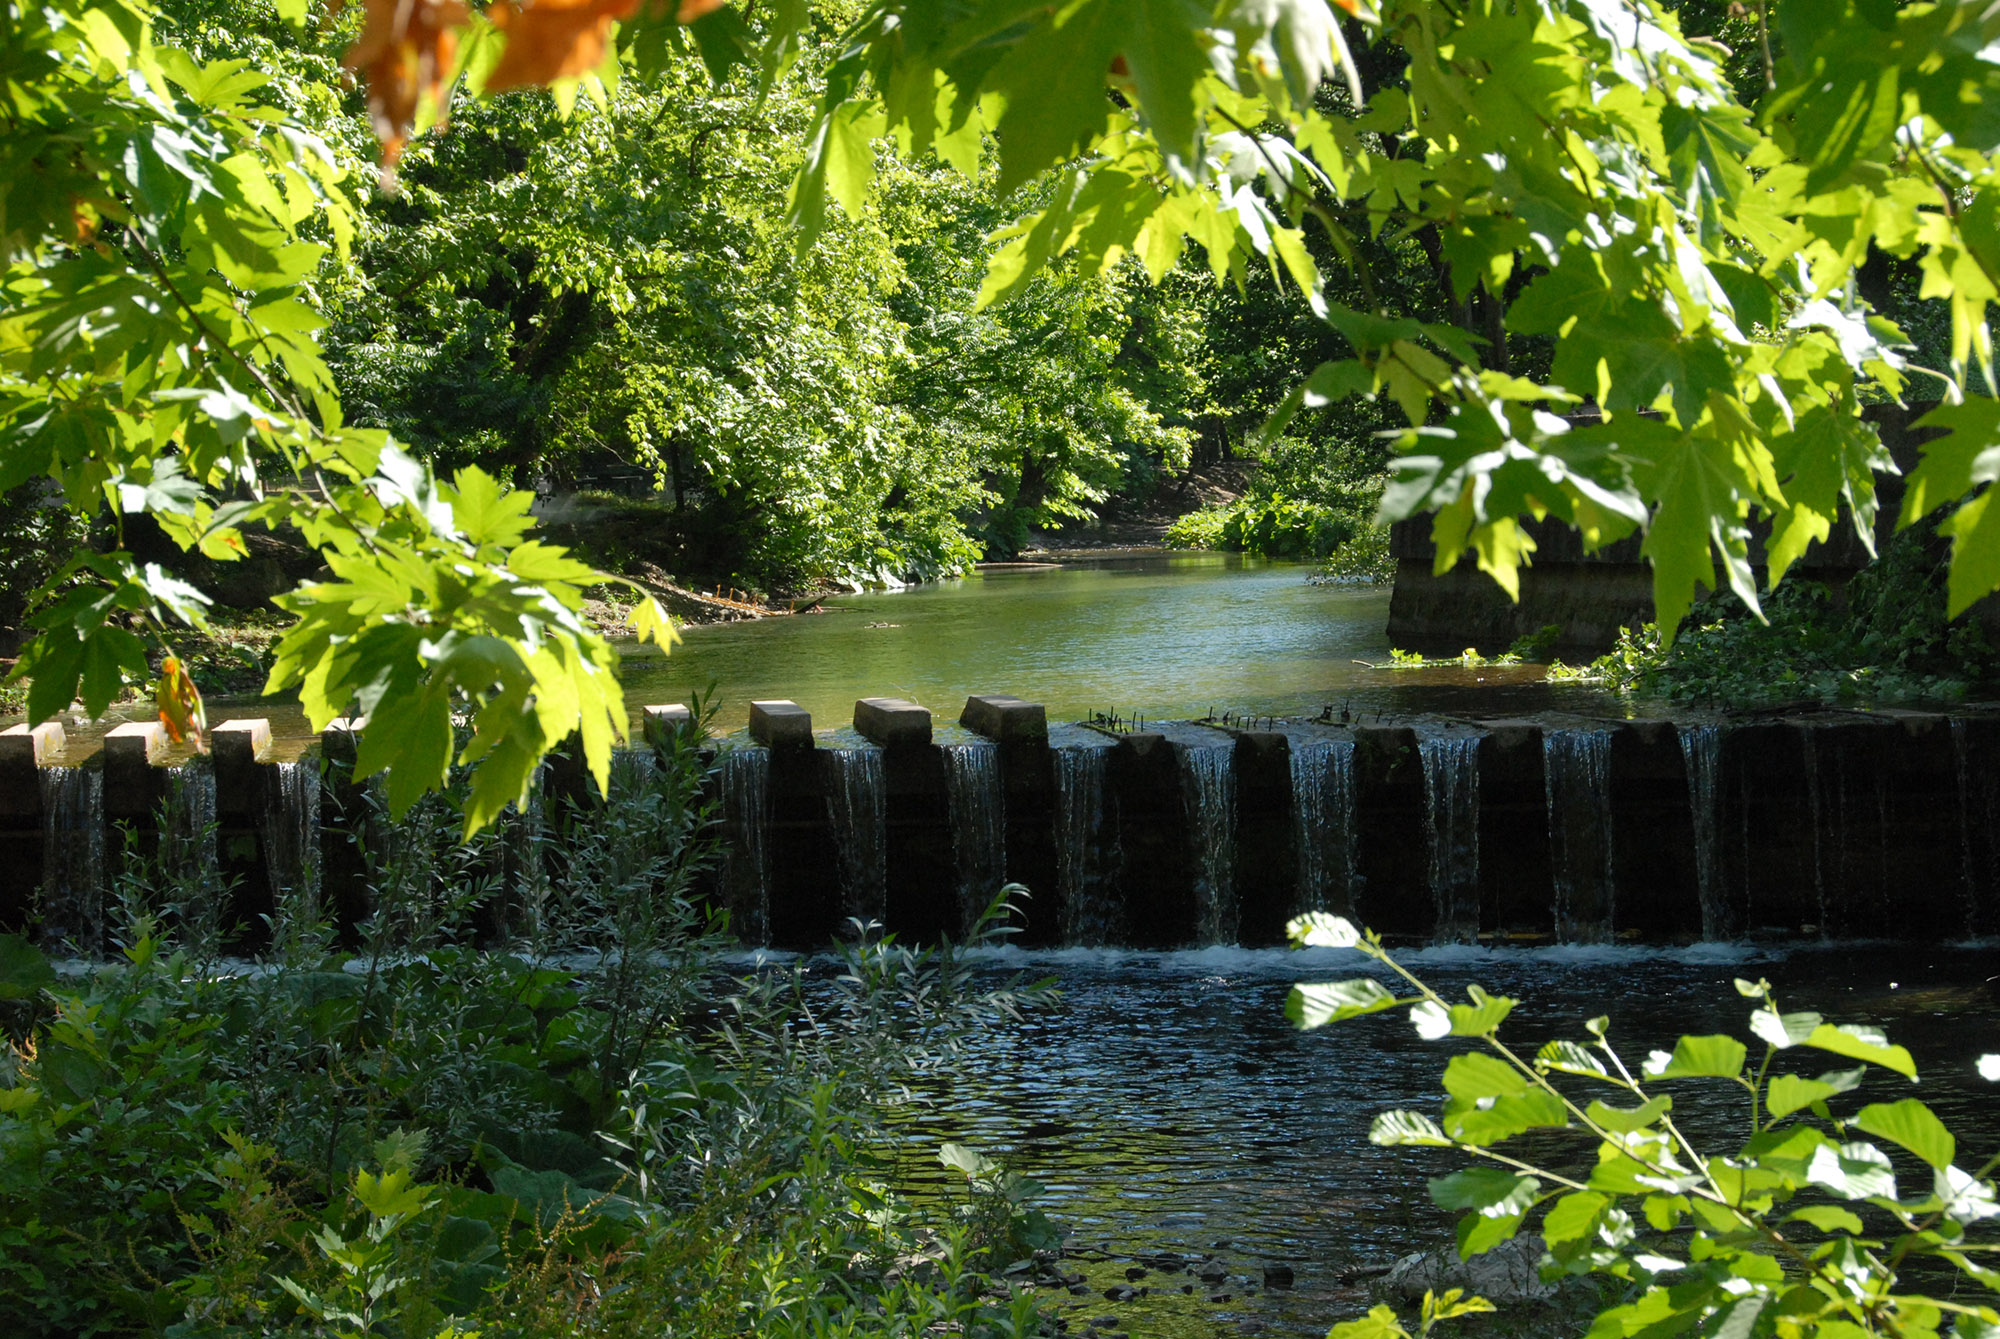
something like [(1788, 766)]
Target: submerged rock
[(1510, 1272)]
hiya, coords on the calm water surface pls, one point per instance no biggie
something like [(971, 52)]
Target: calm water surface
[(1170, 1108), (1169, 635), (1162, 635)]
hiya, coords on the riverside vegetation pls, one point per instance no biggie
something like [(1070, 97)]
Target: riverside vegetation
[(590, 1129), (1802, 1229)]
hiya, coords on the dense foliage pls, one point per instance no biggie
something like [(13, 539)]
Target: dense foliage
[(575, 1126), (1882, 634), (1801, 1230), (1486, 217)]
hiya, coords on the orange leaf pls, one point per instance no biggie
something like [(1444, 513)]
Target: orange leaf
[(694, 9), (405, 50), (549, 40), (179, 703)]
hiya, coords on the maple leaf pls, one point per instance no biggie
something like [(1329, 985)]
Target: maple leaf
[(405, 51), (549, 40), (179, 703), (691, 10)]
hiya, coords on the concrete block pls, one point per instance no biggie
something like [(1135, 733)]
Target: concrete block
[(131, 754), (1004, 718), (781, 723), (892, 722), (140, 742), (241, 749), (35, 746), (662, 723)]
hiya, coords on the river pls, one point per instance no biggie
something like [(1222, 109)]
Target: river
[(1158, 635), (1170, 1109)]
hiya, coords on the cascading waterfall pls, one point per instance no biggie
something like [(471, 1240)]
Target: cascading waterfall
[(1451, 822), (856, 805), (1576, 776), (746, 809), (1087, 914), (1323, 822), (72, 905), (1701, 752), (1208, 797), (291, 853), (978, 825)]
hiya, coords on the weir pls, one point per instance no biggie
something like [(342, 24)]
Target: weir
[(1431, 829)]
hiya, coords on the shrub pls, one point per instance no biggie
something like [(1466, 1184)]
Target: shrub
[(1799, 1231)]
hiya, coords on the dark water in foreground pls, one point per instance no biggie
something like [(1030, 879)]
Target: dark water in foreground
[(1169, 1107)]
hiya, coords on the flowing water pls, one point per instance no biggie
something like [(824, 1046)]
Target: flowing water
[(746, 816), (72, 899), (1208, 794), (1451, 825), (1172, 1112), (1323, 822), (978, 825), (1701, 751), (857, 807), (1576, 771), (1088, 919)]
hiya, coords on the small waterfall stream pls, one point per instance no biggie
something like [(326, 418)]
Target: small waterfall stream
[(1208, 797), (291, 853), (746, 809), (857, 806), (976, 805), (1323, 822), (1576, 773), (1701, 752), (72, 895), (1451, 824), (1088, 918)]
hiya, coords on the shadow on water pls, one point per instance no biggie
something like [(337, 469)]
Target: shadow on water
[(1172, 1112)]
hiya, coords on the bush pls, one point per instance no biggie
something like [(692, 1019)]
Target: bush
[(1885, 636), (1271, 527), (588, 1131), (1798, 1232)]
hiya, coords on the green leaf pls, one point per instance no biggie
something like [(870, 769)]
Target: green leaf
[(1574, 1216), (1567, 1057), (1783, 1030), (1319, 929), (1400, 1128), (1481, 1232), (1911, 1124), (1852, 1171), (1316, 1005), (1052, 85), (969, 1162), (1483, 1015), (1624, 1120), (1161, 49), (24, 972), (1868, 1044), (1827, 1218), (1493, 1191), (1381, 1322), (1788, 1093), (1698, 1057)]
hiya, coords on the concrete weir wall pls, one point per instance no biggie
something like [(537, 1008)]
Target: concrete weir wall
[(1589, 597), (1879, 824)]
